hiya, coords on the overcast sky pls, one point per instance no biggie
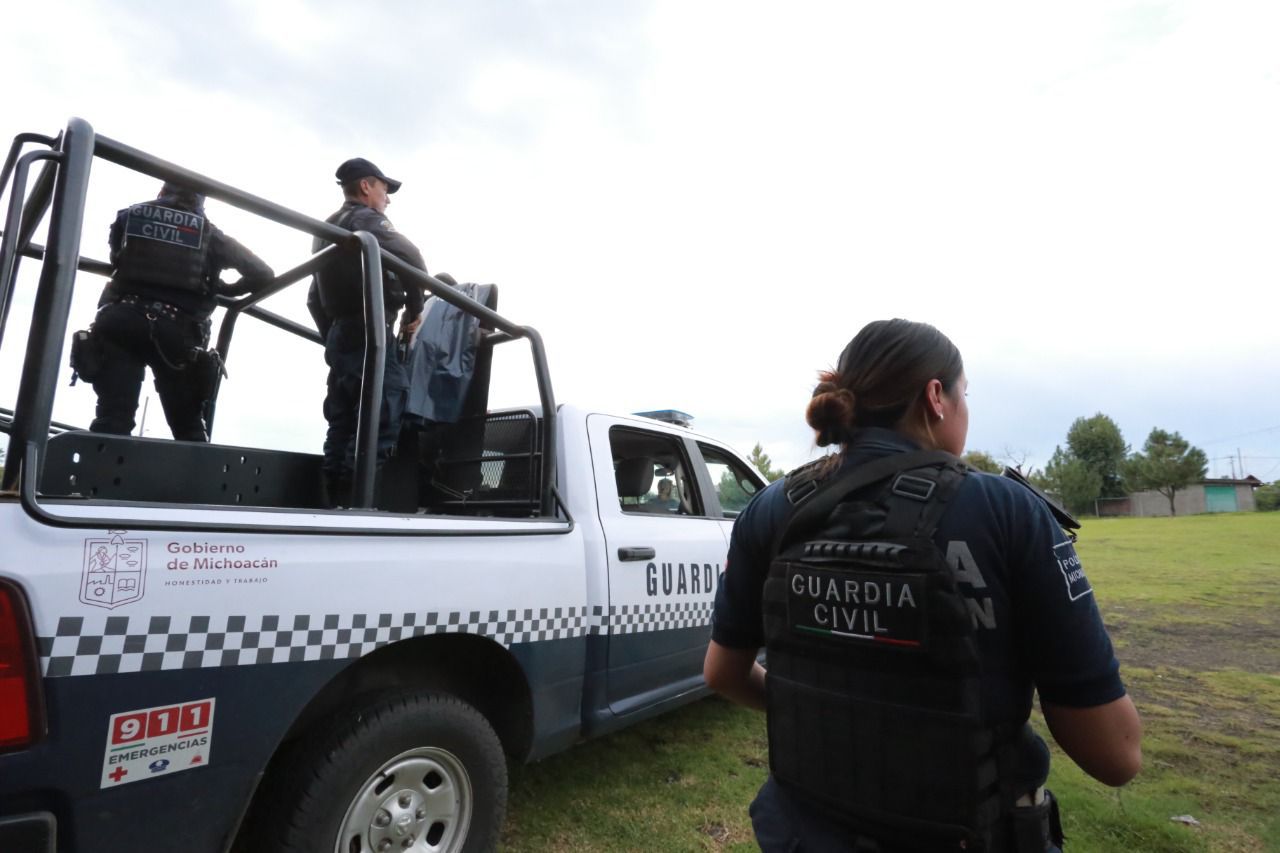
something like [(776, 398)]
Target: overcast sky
[(697, 204)]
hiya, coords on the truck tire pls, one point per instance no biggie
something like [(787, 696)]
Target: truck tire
[(411, 772)]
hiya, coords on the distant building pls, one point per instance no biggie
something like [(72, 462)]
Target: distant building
[(1213, 495)]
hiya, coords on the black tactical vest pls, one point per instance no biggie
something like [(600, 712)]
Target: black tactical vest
[(164, 247), (874, 701), (341, 283)]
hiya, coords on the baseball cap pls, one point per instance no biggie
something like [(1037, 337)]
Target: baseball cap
[(358, 167), (181, 194)]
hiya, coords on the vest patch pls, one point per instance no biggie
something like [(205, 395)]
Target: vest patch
[(177, 227), (843, 604)]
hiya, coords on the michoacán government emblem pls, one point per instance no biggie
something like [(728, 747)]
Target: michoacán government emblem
[(115, 570)]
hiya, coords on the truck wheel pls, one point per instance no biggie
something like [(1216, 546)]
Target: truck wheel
[(415, 772)]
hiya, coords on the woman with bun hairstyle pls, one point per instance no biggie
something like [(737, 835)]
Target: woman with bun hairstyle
[(909, 607)]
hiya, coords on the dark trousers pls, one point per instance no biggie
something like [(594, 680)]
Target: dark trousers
[(783, 824), (133, 337), (344, 353)]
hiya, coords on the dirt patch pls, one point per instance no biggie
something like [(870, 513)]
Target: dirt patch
[(1178, 649), (1198, 639), (723, 835), (718, 832)]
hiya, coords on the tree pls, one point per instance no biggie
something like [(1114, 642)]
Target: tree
[(1166, 464), (764, 464), (1015, 458), (1267, 498), (1097, 442), (1072, 480), (981, 461), (733, 498)]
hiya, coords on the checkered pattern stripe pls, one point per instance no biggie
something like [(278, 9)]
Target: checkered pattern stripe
[(110, 644), (639, 618)]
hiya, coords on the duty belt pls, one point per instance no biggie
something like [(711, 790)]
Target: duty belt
[(173, 312)]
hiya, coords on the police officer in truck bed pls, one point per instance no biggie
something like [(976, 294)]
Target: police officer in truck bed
[(166, 257), (336, 303)]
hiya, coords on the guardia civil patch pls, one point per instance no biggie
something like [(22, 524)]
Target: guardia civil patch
[(1078, 586), (153, 222), (848, 604)]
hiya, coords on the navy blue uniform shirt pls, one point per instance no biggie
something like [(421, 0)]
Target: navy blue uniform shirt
[(1038, 626), (338, 291)]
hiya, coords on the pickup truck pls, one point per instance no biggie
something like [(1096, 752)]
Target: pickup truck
[(196, 655)]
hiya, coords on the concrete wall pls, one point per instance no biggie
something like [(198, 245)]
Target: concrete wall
[(1188, 501), (1115, 507)]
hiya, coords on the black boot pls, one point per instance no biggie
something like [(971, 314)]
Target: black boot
[(335, 490)]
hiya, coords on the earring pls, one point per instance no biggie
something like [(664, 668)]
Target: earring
[(941, 418)]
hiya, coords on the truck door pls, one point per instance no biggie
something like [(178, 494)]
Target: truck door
[(665, 551)]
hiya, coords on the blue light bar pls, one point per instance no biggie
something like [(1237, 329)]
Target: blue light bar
[(669, 416)]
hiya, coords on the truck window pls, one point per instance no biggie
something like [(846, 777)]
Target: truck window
[(652, 473), (735, 485)]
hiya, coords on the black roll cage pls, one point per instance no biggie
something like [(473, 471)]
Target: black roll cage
[(63, 184)]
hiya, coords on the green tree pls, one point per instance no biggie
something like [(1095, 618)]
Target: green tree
[(982, 461), (1267, 498), (1097, 442), (1166, 464), (764, 464), (733, 498), (1072, 481)]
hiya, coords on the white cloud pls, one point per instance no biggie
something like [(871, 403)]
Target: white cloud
[(698, 204)]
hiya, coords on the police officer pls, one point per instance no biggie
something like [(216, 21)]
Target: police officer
[(166, 257), (909, 608), (336, 303)]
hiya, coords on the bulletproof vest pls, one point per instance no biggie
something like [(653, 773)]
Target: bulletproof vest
[(874, 700), (341, 283), (164, 247)]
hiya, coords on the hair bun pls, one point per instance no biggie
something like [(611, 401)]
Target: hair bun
[(830, 413)]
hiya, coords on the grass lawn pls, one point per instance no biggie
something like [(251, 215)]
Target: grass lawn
[(1192, 605)]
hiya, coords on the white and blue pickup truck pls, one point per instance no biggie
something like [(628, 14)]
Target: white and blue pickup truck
[(195, 655)]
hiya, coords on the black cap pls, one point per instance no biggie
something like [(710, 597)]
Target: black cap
[(358, 167), (179, 194)]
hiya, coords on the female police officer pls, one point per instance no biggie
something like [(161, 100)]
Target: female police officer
[(909, 607)]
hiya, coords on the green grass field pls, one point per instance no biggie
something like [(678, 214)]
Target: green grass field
[(1192, 605)]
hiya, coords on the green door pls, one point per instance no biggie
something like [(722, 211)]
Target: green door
[(1220, 498)]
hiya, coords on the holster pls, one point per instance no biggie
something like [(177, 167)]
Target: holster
[(207, 370), (86, 356), (1037, 828)]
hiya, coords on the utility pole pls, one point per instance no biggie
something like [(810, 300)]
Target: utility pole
[(1241, 463)]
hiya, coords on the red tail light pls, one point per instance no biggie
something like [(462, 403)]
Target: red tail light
[(21, 717)]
